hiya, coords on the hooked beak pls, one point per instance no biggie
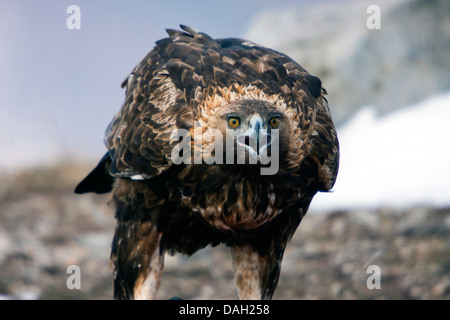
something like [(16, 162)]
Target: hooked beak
[(255, 140)]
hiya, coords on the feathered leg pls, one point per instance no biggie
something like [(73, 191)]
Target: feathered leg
[(136, 255), (256, 274)]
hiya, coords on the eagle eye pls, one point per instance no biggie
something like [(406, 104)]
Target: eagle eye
[(274, 122), (233, 122)]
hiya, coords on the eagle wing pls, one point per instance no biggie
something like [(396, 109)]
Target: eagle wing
[(165, 89)]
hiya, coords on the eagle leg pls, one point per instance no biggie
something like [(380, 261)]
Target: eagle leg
[(137, 257), (256, 274), (147, 284)]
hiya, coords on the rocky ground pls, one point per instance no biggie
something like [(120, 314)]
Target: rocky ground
[(45, 228)]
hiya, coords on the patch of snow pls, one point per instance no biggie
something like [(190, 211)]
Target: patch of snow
[(401, 159)]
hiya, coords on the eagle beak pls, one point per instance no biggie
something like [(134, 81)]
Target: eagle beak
[(255, 140)]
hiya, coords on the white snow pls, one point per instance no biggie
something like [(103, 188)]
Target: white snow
[(401, 159)]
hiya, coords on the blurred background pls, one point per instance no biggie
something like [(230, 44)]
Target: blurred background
[(388, 90)]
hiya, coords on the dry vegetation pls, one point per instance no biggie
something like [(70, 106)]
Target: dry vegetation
[(45, 228)]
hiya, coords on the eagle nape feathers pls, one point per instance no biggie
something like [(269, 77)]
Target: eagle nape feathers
[(217, 141)]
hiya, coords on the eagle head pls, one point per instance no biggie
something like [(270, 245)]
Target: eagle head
[(244, 126)]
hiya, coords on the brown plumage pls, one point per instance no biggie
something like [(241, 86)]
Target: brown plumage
[(193, 82)]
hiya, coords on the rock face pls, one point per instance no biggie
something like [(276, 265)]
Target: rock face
[(405, 61)]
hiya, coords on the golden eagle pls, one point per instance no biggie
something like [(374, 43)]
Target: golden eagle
[(190, 82)]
